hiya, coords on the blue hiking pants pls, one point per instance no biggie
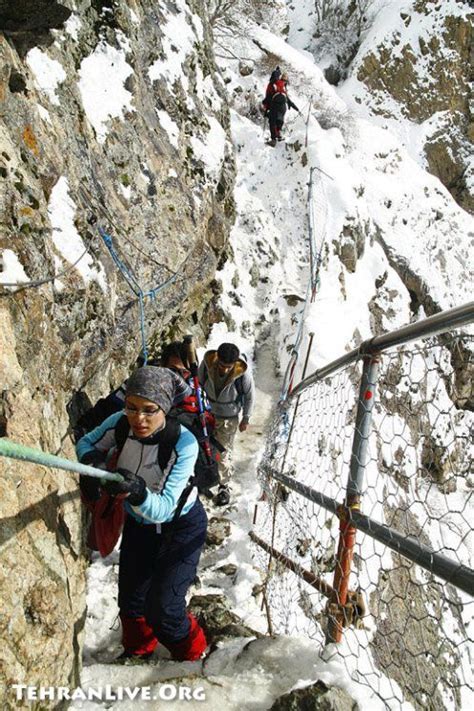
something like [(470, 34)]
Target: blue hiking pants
[(157, 569)]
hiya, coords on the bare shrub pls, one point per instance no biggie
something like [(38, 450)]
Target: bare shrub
[(339, 28)]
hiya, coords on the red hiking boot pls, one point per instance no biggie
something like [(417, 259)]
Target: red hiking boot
[(192, 647), (138, 638)]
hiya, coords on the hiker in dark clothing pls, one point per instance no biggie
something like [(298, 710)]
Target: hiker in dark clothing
[(194, 412), (276, 102), (165, 522), (276, 74)]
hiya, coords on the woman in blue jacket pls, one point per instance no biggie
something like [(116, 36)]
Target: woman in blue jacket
[(165, 524)]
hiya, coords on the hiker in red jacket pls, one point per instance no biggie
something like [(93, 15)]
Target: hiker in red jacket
[(275, 104)]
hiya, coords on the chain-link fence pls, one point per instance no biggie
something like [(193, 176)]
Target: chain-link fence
[(399, 449)]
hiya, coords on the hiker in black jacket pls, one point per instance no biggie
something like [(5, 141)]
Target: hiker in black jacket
[(276, 102)]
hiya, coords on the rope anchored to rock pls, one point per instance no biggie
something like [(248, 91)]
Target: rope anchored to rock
[(135, 287)]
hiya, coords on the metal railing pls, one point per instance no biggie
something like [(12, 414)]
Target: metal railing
[(432, 326), (425, 396)]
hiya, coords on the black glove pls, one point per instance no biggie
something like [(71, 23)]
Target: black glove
[(132, 485), (90, 486)]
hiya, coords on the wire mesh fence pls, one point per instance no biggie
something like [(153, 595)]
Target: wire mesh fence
[(408, 634)]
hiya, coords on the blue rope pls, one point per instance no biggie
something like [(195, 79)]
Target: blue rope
[(143, 328), (153, 292), (132, 282), (312, 287), (136, 288)]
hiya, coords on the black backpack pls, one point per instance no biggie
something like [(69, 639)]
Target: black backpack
[(206, 474)]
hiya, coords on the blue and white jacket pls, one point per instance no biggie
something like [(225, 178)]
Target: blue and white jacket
[(141, 456)]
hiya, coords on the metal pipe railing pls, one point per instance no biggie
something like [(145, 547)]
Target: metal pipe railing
[(315, 581), (457, 574), (354, 492), (439, 323)]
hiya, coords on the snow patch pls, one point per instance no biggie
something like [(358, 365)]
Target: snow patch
[(171, 128), (177, 43), (44, 113), (66, 238), (133, 16), (211, 149), (126, 191), (48, 73), (11, 269), (72, 26), (102, 76)]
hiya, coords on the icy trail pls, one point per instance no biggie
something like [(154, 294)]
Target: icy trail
[(271, 195), (264, 285)]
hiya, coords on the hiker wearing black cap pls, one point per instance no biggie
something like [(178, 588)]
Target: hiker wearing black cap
[(165, 522), (225, 376)]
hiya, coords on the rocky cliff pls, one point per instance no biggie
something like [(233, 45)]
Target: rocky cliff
[(415, 67), (113, 118)]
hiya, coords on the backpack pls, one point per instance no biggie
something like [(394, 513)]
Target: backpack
[(206, 474), (276, 74), (279, 92), (96, 414)]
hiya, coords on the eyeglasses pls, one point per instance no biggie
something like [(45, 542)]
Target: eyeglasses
[(146, 413)]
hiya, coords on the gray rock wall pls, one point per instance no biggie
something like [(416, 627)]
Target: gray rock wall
[(66, 168), (428, 74)]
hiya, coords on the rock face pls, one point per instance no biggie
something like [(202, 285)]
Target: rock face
[(421, 70), (145, 157), (217, 619), (317, 697), (409, 615)]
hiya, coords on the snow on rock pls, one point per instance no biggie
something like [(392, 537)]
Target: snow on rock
[(210, 148), (196, 22), (205, 90), (73, 26), (170, 126), (177, 42), (134, 17), (11, 269), (104, 96), (48, 73), (44, 113), (66, 238)]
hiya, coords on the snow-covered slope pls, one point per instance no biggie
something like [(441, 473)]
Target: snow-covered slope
[(382, 212), (394, 247)]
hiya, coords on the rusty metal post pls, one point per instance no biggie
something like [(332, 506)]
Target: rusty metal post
[(347, 531), (315, 581)]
